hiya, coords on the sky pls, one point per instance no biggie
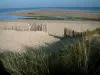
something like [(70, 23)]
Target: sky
[(48, 3)]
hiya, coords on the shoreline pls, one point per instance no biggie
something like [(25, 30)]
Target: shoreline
[(51, 14), (58, 12)]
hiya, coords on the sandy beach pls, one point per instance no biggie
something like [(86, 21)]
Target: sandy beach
[(13, 40), (16, 40), (58, 12), (49, 37)]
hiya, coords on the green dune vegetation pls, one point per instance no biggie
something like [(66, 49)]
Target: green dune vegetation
[(61, 18), (44, 18), (80, 58)]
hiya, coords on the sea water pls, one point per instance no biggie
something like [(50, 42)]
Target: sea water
[(5, 16)]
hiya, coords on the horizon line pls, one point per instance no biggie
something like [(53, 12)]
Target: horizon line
[(52, 7)]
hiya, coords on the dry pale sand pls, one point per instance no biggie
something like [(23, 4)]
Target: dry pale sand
[(53, 26), (59, 12), (16, 40)]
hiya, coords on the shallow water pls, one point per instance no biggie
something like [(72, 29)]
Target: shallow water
[(6, 16)]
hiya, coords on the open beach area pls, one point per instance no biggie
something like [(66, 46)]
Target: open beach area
[(15, 40)]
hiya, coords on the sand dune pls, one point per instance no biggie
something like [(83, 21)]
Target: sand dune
[(16, 40)]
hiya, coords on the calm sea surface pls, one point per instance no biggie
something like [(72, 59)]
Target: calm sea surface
[(5, 16)]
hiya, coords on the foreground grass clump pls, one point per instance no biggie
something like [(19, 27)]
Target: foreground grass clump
[(94, 57), (70, 60), (29, 63), (44, 62), (76, 58)]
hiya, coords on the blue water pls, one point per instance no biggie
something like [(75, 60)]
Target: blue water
[(6, 16)]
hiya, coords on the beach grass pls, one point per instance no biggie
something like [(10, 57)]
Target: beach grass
[(93, 32), (46, 62), (80, 59)]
